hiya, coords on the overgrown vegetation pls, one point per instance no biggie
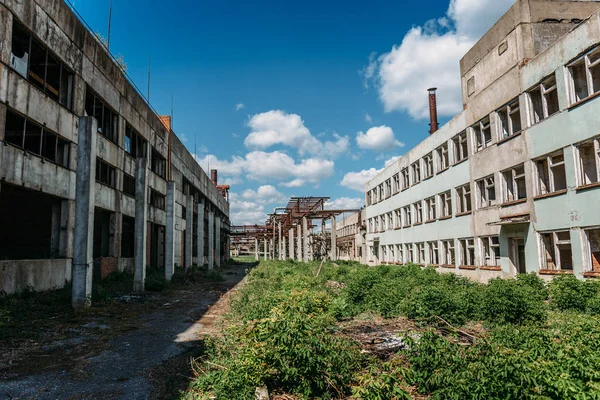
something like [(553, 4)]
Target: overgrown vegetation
[(516, 338)]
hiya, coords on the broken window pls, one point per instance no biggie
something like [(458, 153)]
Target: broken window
[(405, 178), (448, 252), (460, 147), (509, 120), (127, 237), (381, 193), (388, 188), (431, 207), (433, 253), (443, 160), (32, 137), (407, 216), (157, 200), (128, 185), (589, 162), (551, 173), (418, 212), (491, 251), (463, 197), (445, 204), (513, 184), (108, 120), (483, 134), (543, 100), (398, 214), (390, 221), (106, 173), (32, 60), (102, 233), (585, 76), (467, 252), (135, 144), (486, 192), (392, 256), (416, 172), (556, 251), (400, 253), (396, 179), (158, 164), (369, 198), (428, 166), (593, 242), (420, 255), (410, 253)]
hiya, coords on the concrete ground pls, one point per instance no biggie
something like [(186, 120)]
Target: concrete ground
[(136, 348)]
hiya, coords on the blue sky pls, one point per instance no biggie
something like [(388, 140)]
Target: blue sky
[(303, 98)]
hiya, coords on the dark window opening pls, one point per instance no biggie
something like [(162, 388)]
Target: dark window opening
[(157, 199), (158, 164), (127, 237), (102, 233), (135, 144), (105, 173), (129, 185), (107, 118)]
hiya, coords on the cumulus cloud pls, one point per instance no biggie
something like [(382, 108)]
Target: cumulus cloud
[(429, 56), (380, 138), (248, 207), (357, 180), (265, 194), (345, 203), (278, 127), (239, 106)]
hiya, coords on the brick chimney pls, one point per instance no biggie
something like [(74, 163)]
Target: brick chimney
[(214, 176), (433, 111)]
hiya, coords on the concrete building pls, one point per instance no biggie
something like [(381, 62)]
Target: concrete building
[(350, 238), (91, 179), (512, 183)]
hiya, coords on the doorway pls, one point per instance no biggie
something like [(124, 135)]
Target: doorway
[(517, 254)]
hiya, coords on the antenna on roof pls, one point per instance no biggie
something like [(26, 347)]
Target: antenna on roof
[(109, 22)]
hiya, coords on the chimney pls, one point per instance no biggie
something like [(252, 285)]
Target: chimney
[(214, 176), (433, 111)]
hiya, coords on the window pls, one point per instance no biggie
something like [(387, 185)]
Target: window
[(513, 184), (491, 251), (391, 253), (135, 144), (127, 237), (483, 134), (34, 62), (431, 209), (407, 216), (108, 120), (416, 172), (390, 222), (551, 175), (445, 204), (381, 193), (396, 179), (467, 252), (428, 166), (585, 76), (589, 162), (556, 251), (543, 100), (32, 137), (443, 160), (158, 200), (433, 253), (448, 252), (410, 253), (106, 173), (400, 252), (384, 253), (371, 226), (509, 120), (129, 185), (158, 164), (398, 214), (460, 147), (486, 192), (388, 188), (463, 199), (593, 247), (405, 178), (418, 212), (369, 198), (420, 256)]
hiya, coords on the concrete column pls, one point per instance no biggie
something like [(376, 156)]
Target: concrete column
[(211, 239), (200, 241), (299, 255), (280, 242), (291, 243), (141, 226), (305, 234), (219, 241), (189, 232), (333, 240), (272, 254), (170, 232), (256, 249), (83, 238), (265, 254), (284, 249)]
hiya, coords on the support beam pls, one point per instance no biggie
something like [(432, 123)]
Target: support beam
[(272, 255), (189, 231), (280, 243), (83, 238), (291, 243), (305, 234), (211, 240), (200, 232), (256, 249), (299, 255), (333, 254), (266, 250), (141, 226), (219, 241), (170, 232)]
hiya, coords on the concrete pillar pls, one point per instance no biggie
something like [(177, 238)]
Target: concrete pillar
[(299, 255), (200, 241), (283, 248), (272, 253), (141, 226), (280, 242), (256, 249), (189, 231), (211, 239), (219, 240), (265, 254), (83, 238), (170, 232), (333, 255), (291, 243), (305, 234)]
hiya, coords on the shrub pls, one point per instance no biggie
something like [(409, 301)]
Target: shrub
[(569, 293), (512, 301)]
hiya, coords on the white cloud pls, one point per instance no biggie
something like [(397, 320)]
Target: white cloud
[(357, 180), (345, 203), (265, 194), (248, 217), (368, 118), (248, 207), (429, 56), (239, 106), (380, 138), (293, 184)]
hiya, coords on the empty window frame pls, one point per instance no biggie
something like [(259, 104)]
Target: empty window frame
[(509, 120), (467, 252), (428, 166), (384, 253), (486, 192), (416, 172), (513, 184), (400, 253), (445, 204), (418, 207), (370, 227), (108, 119), (490, 247), (405, 178), (398, 216), (158, 164), (388, 188), (556, 251), (550, 171), (443, 159), (431, 207), (391, 253), (407, 216), (584, 74), (381, 194), (593, 249), (128, 185), (448, 255), (410, 253), (369, 198), (460, 147), (463, 199), (433, 251), (588, 155), (482, 132), (157, 200), (34, 138), (396, 183), (135, 144), (543, 100), (106, 173), (420, 254), (32, 60)]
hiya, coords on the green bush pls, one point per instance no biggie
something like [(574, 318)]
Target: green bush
[(569, 293), (512, 301)]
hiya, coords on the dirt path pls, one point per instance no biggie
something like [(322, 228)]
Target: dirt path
[(135, 350)]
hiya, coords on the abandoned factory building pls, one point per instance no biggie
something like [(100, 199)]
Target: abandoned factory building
[(90, 175), (512, 183)]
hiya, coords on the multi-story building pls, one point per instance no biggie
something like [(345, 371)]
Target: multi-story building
[(350, 236), (512, 183), (89, 173)]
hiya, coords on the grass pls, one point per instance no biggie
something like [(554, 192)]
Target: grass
[(516, 338)]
